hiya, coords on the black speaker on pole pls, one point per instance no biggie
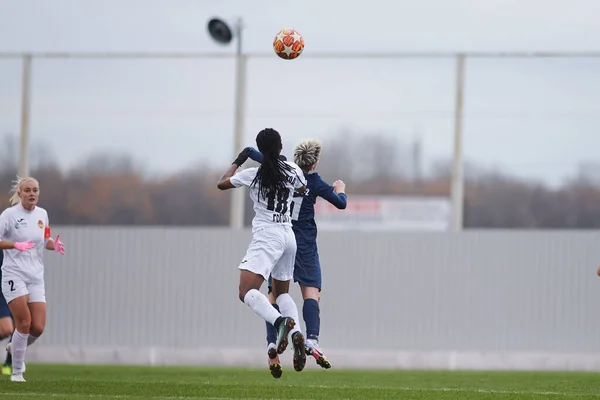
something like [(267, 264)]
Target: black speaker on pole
[(220, 31)]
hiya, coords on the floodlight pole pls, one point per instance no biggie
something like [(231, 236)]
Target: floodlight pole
[(25, 103), (457, 158), (236, 211)]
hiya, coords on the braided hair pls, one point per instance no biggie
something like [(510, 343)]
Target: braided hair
[(272, 173)]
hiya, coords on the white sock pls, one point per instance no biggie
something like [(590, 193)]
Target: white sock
[(288, 308), (31, 339), (18, 348), (261, 306)]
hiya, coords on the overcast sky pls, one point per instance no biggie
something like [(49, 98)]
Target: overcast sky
[(533, 117)]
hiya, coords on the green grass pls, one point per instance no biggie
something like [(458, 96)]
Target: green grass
[(71, 382)]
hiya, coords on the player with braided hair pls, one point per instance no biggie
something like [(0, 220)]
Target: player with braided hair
[(272, 250), (307, 269)]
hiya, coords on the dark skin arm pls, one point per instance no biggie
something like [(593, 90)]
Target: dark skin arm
[(224, 183)]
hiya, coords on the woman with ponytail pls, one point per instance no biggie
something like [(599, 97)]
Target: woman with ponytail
[(272, 250), (307, 270)]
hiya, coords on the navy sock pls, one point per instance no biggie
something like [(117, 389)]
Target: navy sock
[(312, 319), (271, 331)]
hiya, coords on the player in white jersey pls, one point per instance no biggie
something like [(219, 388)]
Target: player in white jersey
[(24, 234), (272, 250)]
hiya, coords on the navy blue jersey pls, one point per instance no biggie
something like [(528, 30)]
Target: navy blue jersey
[(303, 207), (4, 311)]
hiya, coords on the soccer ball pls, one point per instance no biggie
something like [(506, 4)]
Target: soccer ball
[(288, 44)]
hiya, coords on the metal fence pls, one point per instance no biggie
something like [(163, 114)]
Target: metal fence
[(481, 299)]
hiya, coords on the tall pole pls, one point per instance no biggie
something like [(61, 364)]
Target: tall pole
[(236, 212), (25, 101), (457, 161)]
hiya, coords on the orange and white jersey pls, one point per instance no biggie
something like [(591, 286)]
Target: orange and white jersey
[(20, 225)]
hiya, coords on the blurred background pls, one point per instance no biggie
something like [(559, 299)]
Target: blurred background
[(466, 132)]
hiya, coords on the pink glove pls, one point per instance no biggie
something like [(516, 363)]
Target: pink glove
[(58, 245), (24, 246)]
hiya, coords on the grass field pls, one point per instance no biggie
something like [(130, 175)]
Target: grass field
[(106, 382)]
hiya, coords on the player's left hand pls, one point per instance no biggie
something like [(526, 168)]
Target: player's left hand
[(339, 186), (58, 245)]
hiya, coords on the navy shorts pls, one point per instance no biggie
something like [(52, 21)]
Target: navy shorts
[(307, 267), (4, 311)]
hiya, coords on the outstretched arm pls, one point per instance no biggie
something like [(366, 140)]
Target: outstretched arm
[(255, 155), (225, 183), (258, 157)]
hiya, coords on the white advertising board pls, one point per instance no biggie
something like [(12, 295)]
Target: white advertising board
[(385, 213)]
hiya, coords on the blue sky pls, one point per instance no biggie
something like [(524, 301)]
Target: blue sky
[(537, 118)]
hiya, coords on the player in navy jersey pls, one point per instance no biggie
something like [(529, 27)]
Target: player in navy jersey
[(6, 326), (307, 268), (272, 251)]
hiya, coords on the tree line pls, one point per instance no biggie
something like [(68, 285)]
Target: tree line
[(110, 189)]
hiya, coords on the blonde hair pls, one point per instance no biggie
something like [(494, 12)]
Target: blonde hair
[(307, 153), (14, 191)]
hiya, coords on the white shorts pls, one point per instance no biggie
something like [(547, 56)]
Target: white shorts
[(14, 287), (272, 251)]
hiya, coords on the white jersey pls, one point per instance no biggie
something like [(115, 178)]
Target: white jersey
[(274, 210), (20, 225)]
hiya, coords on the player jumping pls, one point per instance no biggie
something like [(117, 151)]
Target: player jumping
[(273, 247), (307, 269)]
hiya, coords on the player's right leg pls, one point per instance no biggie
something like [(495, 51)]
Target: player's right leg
[(250, 295), (17, 296), (282, 274), (273, 356)]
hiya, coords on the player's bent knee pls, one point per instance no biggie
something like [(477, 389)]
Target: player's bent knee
[(241, 294), (243, 291), (249, 281), (36, 330)]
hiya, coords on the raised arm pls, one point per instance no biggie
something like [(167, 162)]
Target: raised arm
[(333, 194), (225, 181), (258, 157)]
